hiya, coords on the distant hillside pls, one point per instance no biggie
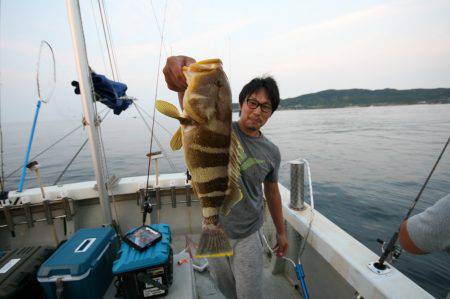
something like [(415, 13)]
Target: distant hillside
[(364, 97)]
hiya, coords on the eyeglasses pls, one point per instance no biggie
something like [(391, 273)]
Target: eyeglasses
[(253, 104)]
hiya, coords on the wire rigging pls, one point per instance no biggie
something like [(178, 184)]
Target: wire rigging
[(151, 117), (98, 36), (172, 165), (111, 41), (106, 40), (158, 26), (76, 154), (156, 95), (50, 146)]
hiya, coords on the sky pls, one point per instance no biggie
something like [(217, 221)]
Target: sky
[(307, 46)]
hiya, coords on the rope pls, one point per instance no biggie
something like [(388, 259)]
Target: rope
[(156, 95), (157, 141), (271, 250)]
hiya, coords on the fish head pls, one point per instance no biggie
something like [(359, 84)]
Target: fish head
[(208, 95)]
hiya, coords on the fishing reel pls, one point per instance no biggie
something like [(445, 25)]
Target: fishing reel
[(147, 209), (147, 206), (394, 254)]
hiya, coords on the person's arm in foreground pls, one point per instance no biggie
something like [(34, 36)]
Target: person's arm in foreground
[(273, 197), (173, 73), (427, 231)]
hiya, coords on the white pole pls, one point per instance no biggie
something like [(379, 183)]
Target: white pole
[(76, 28)]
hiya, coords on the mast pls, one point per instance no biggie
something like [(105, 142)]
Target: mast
[(76, 28)]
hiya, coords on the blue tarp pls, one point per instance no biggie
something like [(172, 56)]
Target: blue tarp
[(108, 92)]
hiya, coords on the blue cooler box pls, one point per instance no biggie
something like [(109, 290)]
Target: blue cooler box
[(143, 274), (81, 267)]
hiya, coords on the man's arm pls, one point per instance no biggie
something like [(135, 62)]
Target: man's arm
[(428, 231), (406, 242), (273, 197)]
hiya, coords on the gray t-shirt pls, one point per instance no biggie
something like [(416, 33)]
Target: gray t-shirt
[(259, 161), (430, 230)]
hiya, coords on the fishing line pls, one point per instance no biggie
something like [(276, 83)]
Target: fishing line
[(391, 244)]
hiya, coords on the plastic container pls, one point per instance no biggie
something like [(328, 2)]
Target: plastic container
[(81, 267), (148, 273)]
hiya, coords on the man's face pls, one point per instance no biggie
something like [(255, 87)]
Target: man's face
[(252, 117)]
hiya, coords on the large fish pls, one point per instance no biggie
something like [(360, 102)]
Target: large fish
[(210, 149)]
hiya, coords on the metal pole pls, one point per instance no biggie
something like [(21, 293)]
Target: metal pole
[(297, 185), (76, 28)]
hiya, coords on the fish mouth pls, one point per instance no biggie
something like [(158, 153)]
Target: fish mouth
[(204, 65)]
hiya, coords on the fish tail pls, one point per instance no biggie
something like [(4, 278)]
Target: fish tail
[(214, 242)]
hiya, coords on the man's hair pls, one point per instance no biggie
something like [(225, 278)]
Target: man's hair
[(268, 83)]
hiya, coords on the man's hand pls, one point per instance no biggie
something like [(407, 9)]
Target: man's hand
[(173, 72), (281, 247), (273, 197)]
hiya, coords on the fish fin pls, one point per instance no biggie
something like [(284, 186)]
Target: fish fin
[(176, 141), (234, 192), (213, 243), (170, 110)]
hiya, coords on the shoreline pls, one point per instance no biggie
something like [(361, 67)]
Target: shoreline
[(352, 106)]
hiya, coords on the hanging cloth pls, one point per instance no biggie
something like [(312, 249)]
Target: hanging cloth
[(108, 92)]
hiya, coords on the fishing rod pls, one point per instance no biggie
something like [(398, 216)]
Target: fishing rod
[(391, 248)]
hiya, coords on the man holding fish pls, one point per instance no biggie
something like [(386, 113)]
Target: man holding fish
[(229, 162)]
